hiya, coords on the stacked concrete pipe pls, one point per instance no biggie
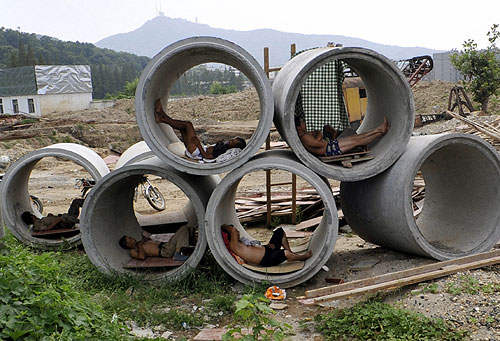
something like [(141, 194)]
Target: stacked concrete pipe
[(388, 95), (460, 215), (135, 153), (108, 214), (15, 196), (158, 78), (221, 210)]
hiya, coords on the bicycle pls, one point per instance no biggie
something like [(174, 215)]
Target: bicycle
[(151, 193), (36, 203), (85, 185)]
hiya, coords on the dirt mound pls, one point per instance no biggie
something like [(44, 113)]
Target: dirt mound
[(215, 117)]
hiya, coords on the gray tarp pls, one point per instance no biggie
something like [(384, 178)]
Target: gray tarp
[(17, 81), (63, 79)]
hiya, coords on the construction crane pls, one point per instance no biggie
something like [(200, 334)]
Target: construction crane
[(415, 68)]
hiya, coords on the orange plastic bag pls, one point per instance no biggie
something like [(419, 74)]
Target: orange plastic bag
[(275, 293)]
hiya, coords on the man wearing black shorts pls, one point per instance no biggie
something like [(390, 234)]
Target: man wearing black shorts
[(265, 255)]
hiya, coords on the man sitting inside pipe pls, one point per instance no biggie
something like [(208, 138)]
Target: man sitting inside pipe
[(176, 247), (270, 254), (53, 222), (314, 143), (194, 149)]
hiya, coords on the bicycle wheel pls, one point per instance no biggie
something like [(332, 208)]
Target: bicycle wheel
[(155, 198), (36, 204)]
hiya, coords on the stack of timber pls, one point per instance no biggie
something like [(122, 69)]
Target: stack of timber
[(14, 127), (252, 207), (487, 131), (418, 194)]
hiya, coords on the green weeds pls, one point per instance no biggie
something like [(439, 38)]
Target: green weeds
[(37, 302), (252, 321), (470, 285), (379, 321)]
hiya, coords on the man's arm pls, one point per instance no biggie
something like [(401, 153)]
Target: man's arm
[(54, 223), (138, 252), (202, 150), (312, 142)]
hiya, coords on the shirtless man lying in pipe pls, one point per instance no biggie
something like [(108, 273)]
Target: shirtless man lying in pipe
[(194, 148), (265, 255), (314, 143)]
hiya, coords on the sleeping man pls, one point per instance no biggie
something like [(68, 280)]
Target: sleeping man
[(270, 254), (194, 149)]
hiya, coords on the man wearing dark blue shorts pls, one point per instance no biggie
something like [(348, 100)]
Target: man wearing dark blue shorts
[(314, 143), (265, 255)]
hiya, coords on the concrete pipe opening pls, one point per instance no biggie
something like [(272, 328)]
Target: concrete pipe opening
[(221, 210), (158, 79), (109, 213), (17, 188), (460, 213), (387, 92)]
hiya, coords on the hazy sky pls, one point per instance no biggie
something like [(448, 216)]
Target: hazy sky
[(438, 24)]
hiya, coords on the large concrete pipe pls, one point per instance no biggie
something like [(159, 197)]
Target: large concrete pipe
[(221, 210), (108, 214), (460, 215), (15, 197), (158, 78), (135, 153), (388, 95)]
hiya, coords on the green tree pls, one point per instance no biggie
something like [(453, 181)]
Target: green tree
[(480, 68)]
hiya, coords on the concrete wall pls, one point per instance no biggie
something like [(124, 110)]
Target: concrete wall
[(65, 102), (102, 104), (22, 101), (443, 70)]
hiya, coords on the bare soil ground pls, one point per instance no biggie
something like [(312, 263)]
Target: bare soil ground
[(216, 118)]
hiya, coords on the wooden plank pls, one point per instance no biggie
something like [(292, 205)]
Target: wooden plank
[(308, 223), (348, 163), (404, 281), (55, 232), (340, 157), (401, 275), (296, 234), (152, 262), (282, 268)]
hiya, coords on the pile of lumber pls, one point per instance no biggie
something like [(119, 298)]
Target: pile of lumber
[(252, 207), (418, 194), (488, 131)]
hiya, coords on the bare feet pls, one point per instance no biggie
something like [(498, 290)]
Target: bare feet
[(384, 127), (159, 113)]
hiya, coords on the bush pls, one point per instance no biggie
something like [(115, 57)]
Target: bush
[(38, 303), (380, 321), (218, 89)]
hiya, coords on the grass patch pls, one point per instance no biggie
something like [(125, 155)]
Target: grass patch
[(37, 302), (470, 285), (380, 321)]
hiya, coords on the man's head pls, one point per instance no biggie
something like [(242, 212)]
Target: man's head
[(27, 217), (127, 242), (300, 124), (233, 231), (237, 142)]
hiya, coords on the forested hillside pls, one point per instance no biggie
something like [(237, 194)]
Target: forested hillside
[(110, 70)]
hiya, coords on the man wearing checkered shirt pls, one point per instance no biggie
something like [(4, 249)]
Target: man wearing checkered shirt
[(321, 99)]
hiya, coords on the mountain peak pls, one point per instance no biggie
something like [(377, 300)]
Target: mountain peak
[(161, 31)]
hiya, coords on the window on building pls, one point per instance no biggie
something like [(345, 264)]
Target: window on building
[(31, 106), (15, 106), (1, 106)]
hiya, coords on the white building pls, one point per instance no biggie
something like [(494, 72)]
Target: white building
[(34, 90)]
